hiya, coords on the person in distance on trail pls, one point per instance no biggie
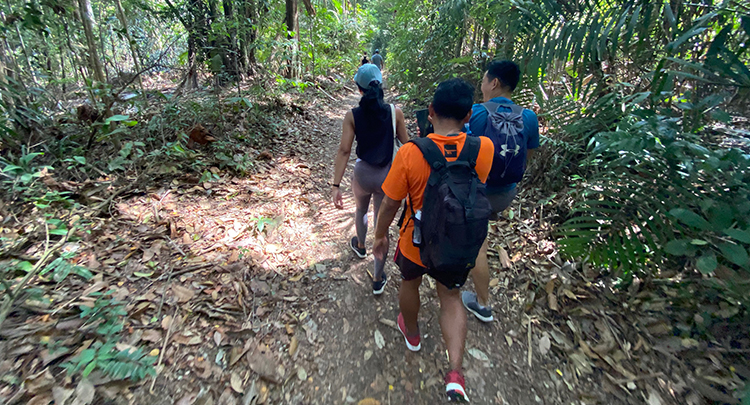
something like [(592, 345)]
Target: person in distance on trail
[(374, 124), (416, 175), (364, 59), (377, 60), (514, 131)]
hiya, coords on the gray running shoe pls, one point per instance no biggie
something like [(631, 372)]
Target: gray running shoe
[(469, 299)]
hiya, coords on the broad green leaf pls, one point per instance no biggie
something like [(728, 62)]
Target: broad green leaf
[(25, 266), (734, 253), (116, 118), (80, 159), (690, 218), (738, 234), (706, 264), (89, 368), (86, 356), (680, 247), (61, 232)]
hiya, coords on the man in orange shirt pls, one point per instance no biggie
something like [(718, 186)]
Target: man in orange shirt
[(449, 111)]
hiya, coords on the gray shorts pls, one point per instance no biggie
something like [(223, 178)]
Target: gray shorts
[(500, 200)]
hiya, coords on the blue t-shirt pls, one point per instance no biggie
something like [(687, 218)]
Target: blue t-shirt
[(478, 124)]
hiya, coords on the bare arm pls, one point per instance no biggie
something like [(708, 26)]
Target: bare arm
[(388, 210), (403, 136), (342, 157)]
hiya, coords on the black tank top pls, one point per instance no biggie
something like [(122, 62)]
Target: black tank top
[(374, 136)]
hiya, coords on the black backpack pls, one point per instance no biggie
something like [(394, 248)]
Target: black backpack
[(455, 212)]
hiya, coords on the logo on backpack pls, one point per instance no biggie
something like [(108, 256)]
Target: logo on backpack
[(452, 223), (505, 129)]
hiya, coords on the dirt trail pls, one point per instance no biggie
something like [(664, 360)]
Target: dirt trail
[(349, 363), (339, 322), (270, 306)]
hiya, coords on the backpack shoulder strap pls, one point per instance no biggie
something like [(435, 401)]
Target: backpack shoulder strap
[(470, 151), (490, 106), (516, 109), (431, 152)]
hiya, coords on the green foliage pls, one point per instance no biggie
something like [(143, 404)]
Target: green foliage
[(20, 172), (112, 362), (105, 317), (130, 152), (656, 190), (61, 268)]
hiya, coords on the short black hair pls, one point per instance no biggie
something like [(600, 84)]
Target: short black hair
[(506, 71), (453, 99)]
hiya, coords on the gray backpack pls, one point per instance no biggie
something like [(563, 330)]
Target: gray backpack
[(505, 129)]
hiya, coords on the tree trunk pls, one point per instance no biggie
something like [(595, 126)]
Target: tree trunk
[(292, 23), (233, 48), (131, 43), (249, 31), (88, 28)]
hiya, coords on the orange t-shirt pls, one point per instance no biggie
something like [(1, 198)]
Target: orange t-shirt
[(409, 174)]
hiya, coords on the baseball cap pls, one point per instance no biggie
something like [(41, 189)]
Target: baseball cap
[(367, 73)]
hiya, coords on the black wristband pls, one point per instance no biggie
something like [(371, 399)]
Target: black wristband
[(336, 185)]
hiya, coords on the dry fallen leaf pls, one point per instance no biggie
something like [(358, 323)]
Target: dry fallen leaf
[(552, 301), (369, 401), (236, 382), (166, 322), (183, 294), (494, 282), (40, 382), (61, 395), (544, 344), (293, 346), (379, 341), (186, 239), (509, 340), (218, 337), (478, 354), (654, 398), (505, 261), (151, 335), (188, 399), (84, 393), (550, 286)]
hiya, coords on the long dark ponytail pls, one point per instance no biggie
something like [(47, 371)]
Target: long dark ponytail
[(372, 99)]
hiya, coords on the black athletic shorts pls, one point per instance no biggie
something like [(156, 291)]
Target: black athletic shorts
[(411, 271)]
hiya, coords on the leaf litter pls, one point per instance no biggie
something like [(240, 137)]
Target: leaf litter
[(251, 263)]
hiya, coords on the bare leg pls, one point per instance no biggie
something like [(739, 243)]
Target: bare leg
[(481, 276), (408, 302), (453, 324), (377, 198)]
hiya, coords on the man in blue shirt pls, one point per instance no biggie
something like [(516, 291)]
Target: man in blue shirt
[(498, 84), (377, 60)]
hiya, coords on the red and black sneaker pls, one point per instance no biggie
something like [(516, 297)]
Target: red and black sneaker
[(454, 387), (413, 343)]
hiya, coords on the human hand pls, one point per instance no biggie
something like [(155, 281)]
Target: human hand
[(338, 200), (380, 248)]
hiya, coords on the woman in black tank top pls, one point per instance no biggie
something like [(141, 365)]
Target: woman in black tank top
[(371, 124)]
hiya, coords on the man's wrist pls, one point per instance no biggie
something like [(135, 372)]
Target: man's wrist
[(336, 185)]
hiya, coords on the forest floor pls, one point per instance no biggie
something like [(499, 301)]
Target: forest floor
[(247, 290)]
